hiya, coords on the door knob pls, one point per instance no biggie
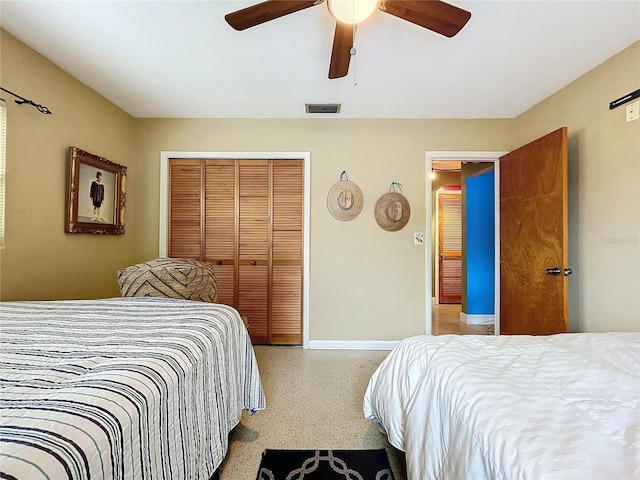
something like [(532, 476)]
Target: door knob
[(252, 262), (557, 271)]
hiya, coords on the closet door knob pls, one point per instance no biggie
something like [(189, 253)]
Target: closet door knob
[(252, 262)]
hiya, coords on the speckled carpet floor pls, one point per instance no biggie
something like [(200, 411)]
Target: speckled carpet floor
[(314, 401), (325, 465)]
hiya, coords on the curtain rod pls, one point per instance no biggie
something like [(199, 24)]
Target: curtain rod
[(23, 101)]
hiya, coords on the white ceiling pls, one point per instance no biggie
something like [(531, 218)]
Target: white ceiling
[(180, 59)]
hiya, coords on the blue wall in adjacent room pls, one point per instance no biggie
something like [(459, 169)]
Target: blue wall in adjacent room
[(480, 230)]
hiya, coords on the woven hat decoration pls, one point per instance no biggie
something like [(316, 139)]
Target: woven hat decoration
[(392, 209), (345, 199)]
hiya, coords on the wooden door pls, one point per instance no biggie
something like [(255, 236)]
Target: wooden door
[(254, 240), (220, 219), (450, 247), (287, 261), (534, 237), (244, 217)]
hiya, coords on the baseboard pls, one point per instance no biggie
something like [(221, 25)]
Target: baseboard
[(477, 319), (352, 344)]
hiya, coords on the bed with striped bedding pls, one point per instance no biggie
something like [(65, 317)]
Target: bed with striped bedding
[(121, 388), (512, 407)]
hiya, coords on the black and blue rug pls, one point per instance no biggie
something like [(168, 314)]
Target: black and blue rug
[(325, 465)]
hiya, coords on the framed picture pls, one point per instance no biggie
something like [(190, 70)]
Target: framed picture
[(95, 194)]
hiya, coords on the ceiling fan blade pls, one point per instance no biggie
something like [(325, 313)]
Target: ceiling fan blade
[(341, 53), (265, 11), (435, 15)]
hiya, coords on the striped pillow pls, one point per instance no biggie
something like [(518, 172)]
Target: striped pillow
[(169, 277)]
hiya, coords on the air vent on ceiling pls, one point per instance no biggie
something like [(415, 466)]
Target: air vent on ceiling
[(322, 107)]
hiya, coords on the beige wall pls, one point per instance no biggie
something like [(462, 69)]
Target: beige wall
[(39, 260), (365, 283), (604, 191)]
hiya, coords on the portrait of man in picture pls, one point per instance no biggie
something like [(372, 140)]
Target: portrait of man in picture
[(97, 197)]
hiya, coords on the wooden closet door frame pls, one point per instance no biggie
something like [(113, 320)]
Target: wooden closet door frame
[(164, 207)]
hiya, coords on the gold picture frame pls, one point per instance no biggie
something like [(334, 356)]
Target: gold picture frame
[(95, 194)]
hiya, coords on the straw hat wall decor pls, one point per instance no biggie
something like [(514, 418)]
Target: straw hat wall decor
[(345, 199), (392, 209)]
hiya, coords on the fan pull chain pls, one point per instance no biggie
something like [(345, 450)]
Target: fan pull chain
[(353, 52)]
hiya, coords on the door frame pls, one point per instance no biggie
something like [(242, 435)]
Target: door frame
[(470, 156), (163, 234)]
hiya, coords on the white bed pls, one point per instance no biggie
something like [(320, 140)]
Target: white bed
[(512, 407), (122, 388)]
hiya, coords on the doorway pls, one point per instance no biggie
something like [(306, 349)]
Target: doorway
[(442, 159)]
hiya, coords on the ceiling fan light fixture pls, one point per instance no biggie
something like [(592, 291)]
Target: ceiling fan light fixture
[(352, 11)]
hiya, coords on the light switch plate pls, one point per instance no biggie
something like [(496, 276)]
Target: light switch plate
[(633, 111), (418, 238)]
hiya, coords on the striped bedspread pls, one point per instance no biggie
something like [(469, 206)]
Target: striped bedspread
[(122, 388)]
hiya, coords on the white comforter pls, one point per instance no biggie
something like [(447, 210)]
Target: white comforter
[(512, 407)]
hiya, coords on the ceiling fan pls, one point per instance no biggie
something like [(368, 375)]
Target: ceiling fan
[(434, 15)]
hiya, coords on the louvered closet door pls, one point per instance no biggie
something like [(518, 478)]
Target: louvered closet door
[(185, 239), (286, 277), (253, 246), (220, 225), (450, 245), (244, 217)]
